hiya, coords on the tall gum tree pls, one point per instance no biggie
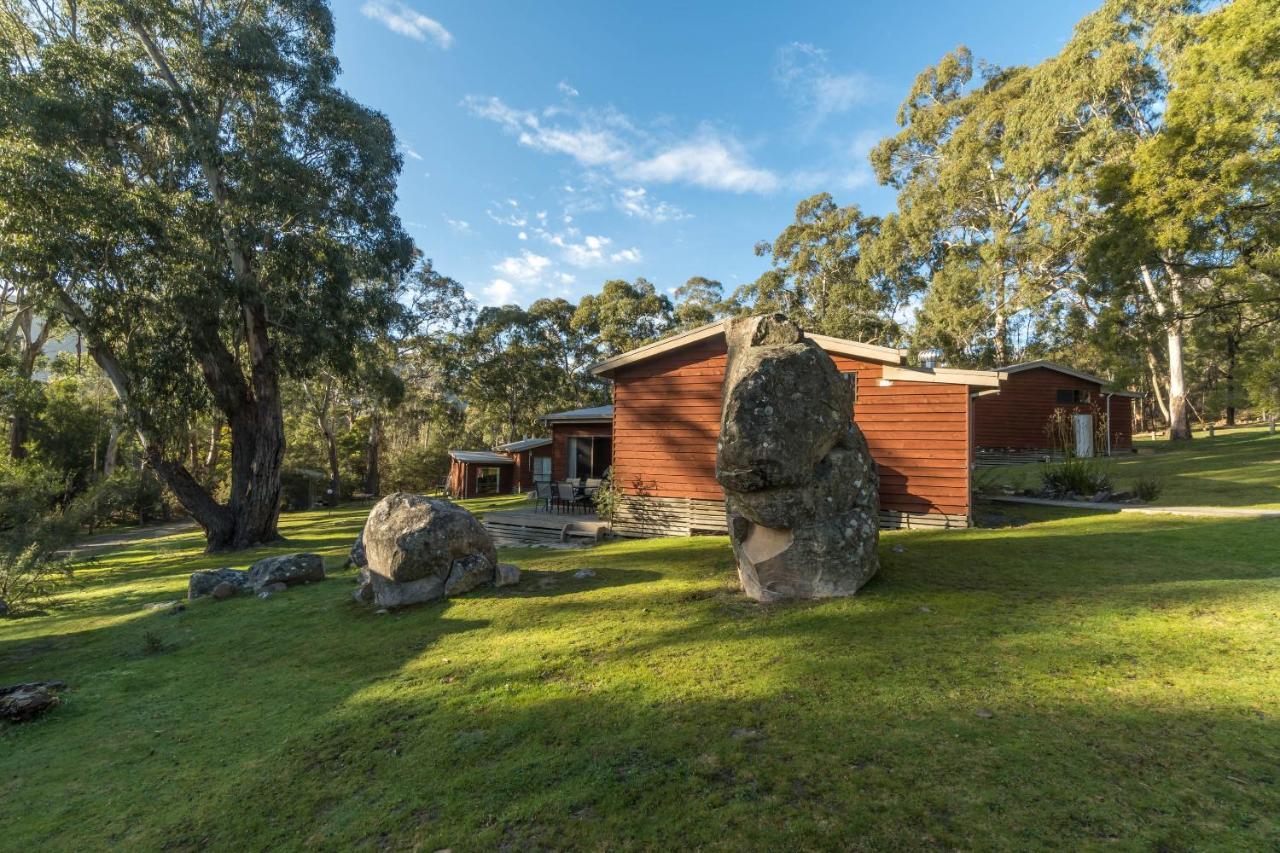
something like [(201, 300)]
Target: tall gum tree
[(186, 183), (1097, 106)]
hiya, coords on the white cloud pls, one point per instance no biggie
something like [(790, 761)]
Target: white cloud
[(566, 89), (802, 71), (462, 226), (526, 269), (407, 21), (626, 256), (408, 151), (499, 292), (609, 143), (522, 236), (709, 162), (636, 201)]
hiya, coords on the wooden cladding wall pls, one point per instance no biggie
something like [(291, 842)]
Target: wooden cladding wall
[(667, 419), (560, 435), (1015, 418)]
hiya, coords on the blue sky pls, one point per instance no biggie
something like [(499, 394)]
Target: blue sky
[(552, 146)]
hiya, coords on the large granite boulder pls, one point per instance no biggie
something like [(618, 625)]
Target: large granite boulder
[(419, 549), (801, 489), (205, 582), (288, 569)]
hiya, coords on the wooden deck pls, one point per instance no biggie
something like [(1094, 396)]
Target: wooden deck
[(531, 527)]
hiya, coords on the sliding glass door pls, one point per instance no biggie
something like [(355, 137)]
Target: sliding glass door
[(589, 456)]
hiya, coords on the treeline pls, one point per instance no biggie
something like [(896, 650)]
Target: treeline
[(189, 197)]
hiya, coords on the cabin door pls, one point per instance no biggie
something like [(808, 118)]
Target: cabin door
[(1084, 435)]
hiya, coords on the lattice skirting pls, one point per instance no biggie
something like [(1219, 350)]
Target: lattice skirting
[(643, 516)]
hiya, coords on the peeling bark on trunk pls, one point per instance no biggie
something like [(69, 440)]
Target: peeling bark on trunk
[(373, 456), (113, 448)]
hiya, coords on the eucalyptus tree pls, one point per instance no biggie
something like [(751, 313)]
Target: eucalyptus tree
[(817, 277), (191, 190), (968, 206), (623, 315), (1103, 106), (697, 302)]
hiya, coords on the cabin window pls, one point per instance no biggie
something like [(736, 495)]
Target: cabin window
[(851, 376), (542, 469), (488, 481), (589, 456), (1072, 395)]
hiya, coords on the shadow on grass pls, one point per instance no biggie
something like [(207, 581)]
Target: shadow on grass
[(654, 706)]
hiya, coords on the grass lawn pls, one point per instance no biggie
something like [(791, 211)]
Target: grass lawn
[(1237, 468), (1077, 681)]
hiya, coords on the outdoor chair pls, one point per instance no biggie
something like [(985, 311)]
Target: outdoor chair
[(566, 495), (542, 495)]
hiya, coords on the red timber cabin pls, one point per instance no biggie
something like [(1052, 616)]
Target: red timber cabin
[(1017, 419), (511, 469), (666, 422)]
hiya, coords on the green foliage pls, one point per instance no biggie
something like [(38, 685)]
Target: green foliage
[(819, 277), (607, 498), (1080, 477), (36, 523), (1147, 487), (622, 316)]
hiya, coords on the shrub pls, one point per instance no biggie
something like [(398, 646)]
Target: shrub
[(1147, 488), (152, 643), (607, 498), (1075, 476)]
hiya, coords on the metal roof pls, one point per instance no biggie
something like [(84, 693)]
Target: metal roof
[(483, 457), (855, 349), (1069, 371), (595, 413), (524, 444)]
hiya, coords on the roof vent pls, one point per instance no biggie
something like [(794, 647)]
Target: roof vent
[(930, 357)]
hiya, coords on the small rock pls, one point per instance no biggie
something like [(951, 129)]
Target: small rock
[(984, 713), (272, 589), (899, 549), (745, 733), (357, 557), (164, 605), (583, 574), (506, 575), (202, 583), (224, 590), (382, 610), (926, 609), (22, 702), (288, 569), (468, 573)]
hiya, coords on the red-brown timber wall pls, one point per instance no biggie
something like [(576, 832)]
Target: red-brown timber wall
[(1016, 417), (667, 419)]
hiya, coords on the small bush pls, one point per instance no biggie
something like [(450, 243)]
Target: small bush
[(1082, 477), (1147, 488), (607, 498), (152, 644)]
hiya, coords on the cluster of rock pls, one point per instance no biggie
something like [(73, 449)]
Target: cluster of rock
[(23, 702), (264, 578), (801, 488), (415, 549)]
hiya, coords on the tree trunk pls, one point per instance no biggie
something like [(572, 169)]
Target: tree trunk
[(1179, 412), (1001, 337), (211, 457), (32, 346), (113, 449), (373, 455), (1230, 377)]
